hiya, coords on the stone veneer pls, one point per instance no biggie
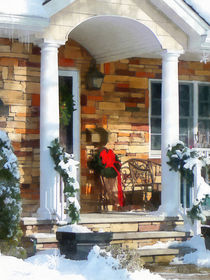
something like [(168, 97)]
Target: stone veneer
[(20, 89), (120, 107)]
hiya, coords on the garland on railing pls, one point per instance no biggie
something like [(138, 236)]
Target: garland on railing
[(63, 165), (178, 155), (183, 160)]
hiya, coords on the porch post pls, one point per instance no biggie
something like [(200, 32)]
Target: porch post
[(49, 127), (170, 195)]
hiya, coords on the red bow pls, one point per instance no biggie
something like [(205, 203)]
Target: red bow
[(109, 159)]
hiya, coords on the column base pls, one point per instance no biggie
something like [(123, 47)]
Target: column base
[(44, 214), (167, 211)]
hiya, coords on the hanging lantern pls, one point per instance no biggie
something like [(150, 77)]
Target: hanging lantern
[(94, 78)]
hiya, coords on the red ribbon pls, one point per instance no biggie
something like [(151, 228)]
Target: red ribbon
[(109, 159)]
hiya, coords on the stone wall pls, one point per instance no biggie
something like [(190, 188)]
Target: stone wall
[(19, 92), (120, 108)]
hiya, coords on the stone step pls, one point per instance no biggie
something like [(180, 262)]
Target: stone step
[(45, 241), (135, 240), (158, 252), (130, 240), (149, 235), (158, 255), (111, 222), (129, 222)]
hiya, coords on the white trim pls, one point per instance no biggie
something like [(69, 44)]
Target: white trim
[(76, 114), (195, 108), (152, 153), (55, 6), (179, 10)]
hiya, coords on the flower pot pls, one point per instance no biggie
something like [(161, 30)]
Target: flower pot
[(77, 245)]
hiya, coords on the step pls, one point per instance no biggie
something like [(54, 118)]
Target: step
[(135, 240), (45, 241), (158, 255), (32, 225), (149, 235), (129, 222)]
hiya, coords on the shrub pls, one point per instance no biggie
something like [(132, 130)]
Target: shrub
[(10, 205), (127, 258)]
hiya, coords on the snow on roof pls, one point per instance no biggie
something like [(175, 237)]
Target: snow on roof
[(23, 7), (202, 7)]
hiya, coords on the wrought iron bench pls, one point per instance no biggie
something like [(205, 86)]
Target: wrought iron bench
[(144, 176)]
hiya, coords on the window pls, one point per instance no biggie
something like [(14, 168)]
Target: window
[(70, 135), (203, 133), (194, 115), (66, 131)]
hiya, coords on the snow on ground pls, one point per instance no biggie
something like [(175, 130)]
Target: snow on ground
[(201, 257), (50, 265)]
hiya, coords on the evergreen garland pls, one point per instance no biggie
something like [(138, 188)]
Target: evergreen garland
[(179, 155), (10, 204), (95, 163), (196, 212), (63, 162)]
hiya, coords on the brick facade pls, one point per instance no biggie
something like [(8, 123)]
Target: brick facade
[(120, 107)]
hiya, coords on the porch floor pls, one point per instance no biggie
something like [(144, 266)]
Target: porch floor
[(117, 217)]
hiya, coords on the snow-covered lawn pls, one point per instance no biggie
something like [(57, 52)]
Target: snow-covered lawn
[(50, 265)]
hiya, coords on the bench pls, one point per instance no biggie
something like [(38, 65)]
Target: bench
[(143, 176)]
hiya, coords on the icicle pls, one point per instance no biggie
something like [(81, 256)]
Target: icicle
[(205, 57)]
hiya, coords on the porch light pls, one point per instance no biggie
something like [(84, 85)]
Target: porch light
[(94, 78)]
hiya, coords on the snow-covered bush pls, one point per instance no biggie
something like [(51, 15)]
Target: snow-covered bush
[(129, 259), (10, 204)]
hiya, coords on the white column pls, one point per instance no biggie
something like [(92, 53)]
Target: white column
[(170, 195), (49, 127)]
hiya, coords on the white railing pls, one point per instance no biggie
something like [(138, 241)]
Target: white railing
[(191, 193), (61, 203), (60, 199)]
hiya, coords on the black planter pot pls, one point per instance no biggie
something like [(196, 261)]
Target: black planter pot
[(206, 234), (77, 245)]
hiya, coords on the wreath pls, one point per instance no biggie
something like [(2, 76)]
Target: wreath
[(105, 163)]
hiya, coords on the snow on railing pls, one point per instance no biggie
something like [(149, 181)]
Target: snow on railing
[(61, 201), (193, 195)]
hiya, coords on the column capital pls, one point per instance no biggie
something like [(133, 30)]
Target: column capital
[(171, 54), (45, 43)]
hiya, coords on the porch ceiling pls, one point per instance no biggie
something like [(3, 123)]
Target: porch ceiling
[(110, 38)]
